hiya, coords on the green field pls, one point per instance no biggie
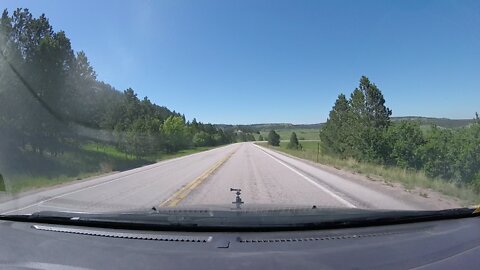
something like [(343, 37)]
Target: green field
[(90, 160), (410, 179), (302, 133)]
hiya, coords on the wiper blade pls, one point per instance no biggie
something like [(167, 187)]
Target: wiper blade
[(233, 220)]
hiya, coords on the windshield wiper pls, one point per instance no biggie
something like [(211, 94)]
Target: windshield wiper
[(245, 220)]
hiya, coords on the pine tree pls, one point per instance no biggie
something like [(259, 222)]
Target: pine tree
[(334, 132), (273, 138), (293, 144)]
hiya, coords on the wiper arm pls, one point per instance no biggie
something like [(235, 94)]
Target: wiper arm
[(131, 221), (206, 220)]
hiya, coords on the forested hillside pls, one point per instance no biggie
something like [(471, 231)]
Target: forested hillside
[(53, 105), (360, 127)]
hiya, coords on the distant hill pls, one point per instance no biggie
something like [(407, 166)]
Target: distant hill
[(270, 126), (276, 126), (441, 122)]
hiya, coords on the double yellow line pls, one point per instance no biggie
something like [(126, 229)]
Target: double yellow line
[(182, 193)]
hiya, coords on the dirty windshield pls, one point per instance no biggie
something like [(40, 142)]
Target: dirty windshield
[(110, 106)]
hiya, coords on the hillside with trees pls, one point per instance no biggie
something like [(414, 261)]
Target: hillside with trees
[(53, 107), (360, 127)]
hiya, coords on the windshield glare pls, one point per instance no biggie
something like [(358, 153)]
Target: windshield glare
[(240, 106)]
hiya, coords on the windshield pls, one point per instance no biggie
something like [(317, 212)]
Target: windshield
[(149, 105)]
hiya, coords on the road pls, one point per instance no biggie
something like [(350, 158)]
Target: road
[(265, 177)]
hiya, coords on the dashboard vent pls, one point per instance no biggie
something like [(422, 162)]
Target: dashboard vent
[(138, 236), (321, 238)]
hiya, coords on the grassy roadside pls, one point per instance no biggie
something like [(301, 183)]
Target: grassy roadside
[(184, 152), (408, 178), (113, 152), (89, 161)]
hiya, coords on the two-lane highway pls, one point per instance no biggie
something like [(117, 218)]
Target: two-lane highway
[(268, 177), (265, 177)]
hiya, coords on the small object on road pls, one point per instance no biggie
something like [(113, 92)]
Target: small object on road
[(238, 201)]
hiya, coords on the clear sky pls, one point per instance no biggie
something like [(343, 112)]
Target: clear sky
[(255, 61)]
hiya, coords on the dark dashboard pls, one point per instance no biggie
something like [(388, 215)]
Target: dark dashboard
[(445, 244)]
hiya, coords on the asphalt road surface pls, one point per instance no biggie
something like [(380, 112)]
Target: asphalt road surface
[(265, 177)]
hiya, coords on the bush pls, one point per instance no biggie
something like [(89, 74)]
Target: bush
[(273, 138)]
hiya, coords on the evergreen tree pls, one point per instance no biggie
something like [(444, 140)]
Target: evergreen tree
[(334, 133), (293, 143), (273, 138)]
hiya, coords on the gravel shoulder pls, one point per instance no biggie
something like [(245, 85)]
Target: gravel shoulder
[(424, 198)]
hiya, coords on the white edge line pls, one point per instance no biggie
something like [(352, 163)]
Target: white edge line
[(340, 199)]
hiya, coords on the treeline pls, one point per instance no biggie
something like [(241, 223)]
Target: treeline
[(51, 101), (360, 128)]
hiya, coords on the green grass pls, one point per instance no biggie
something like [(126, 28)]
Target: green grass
[(184, 152), (25, 182), (37, 171), (302, 133), (107, 150), (410, 179), (114, 152)]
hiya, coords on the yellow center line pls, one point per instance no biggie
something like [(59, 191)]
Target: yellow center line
[(182, 193)]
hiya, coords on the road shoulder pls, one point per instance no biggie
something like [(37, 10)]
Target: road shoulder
[(424, 198)]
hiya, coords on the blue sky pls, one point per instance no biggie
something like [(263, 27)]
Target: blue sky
[(259, 61)]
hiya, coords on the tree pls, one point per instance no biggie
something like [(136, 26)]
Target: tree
[(175, 133), (371, 119), (273, 138), (466, 152), (334, 134), (250, 137), (293, 144), (202, 139), (242, 137), (356, 127), (438, 153), (260, 138), (405, 140), (376, 111)]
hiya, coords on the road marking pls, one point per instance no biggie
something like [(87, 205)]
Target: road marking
[(311, 181), (183, 192), (138, 170)]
